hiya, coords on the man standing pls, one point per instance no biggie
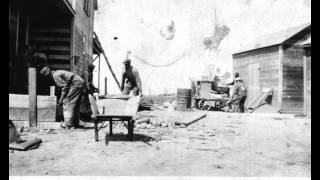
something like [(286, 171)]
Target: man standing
[(130, 80), (236, 75), (88, 77), (238, 96), (71, 91), (85, 107)]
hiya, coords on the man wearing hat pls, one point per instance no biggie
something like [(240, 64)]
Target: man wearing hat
[(71, 91), (88, 77), (238, 96), (130, 79), (236, 75)]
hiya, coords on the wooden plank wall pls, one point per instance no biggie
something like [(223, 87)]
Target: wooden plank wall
[(268, 61), (19, 108), (292, 86), (56, 42), (83, 27)]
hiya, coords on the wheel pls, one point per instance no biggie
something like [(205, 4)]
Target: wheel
[(200, 104), (206, 106)]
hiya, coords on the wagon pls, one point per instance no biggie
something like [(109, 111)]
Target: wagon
[(208, 96)]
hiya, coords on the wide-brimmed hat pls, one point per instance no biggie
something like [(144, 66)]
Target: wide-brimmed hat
[(237, 79)]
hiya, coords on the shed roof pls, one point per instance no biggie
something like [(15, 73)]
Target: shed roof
[(305, 42), (275, 38), (97, 48)]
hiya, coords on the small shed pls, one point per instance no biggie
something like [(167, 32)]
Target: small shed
[(281, 61)]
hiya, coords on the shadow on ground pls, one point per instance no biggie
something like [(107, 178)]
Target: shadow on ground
[(123, 137)]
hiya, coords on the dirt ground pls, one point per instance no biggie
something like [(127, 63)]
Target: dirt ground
[(221, 144)]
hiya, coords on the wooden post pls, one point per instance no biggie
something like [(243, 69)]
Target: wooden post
[(280, 84), (111, 71), (99, 74), (110, 126), (52, 90), (17, 32), (27, 30), (32, 97), (71, 45), (305, 83), (96, 130), (105, 85)]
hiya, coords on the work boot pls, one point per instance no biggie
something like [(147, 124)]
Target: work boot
[(66, 127)]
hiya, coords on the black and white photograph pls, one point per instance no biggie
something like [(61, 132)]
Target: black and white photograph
[(159, 89)]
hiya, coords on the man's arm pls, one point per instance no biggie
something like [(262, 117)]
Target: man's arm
[(231, 83), (123, 77), (60, 82), (234, 90), (86, 79), (138, 81)]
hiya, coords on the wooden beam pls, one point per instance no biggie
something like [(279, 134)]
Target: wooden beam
[(65, 31), (280, 77), (58, 48), (52, 90), (51, 39), (17, 33), (71, 45), (21, 101), (59, 57), (105, 85), (94, 59), (99, 73), (32, 97), (114, 76), (27, 29), (305, 84), (59, 66)]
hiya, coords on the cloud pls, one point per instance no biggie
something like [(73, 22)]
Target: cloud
[(213, 42), (168, 31)]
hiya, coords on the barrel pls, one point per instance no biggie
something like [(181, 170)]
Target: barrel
[(183, 99)]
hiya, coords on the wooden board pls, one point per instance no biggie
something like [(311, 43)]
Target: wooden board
[(41, 125), (119, 106), (32, 88), (19, 108)]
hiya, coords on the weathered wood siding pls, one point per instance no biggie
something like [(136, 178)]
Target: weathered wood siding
[(308, 81), (82, 36), (267, 61), (292, 86), (56, 42)]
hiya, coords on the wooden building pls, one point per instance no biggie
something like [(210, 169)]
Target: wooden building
[(63, 28), (282, 61)]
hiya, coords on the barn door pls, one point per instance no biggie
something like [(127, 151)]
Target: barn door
[(253, 81)]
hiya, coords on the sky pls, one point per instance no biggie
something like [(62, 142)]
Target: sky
[(171, 42)]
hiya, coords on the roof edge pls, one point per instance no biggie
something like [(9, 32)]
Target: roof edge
[(307, 26)]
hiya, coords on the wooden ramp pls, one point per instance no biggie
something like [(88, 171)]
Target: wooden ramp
[(260, 99)]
